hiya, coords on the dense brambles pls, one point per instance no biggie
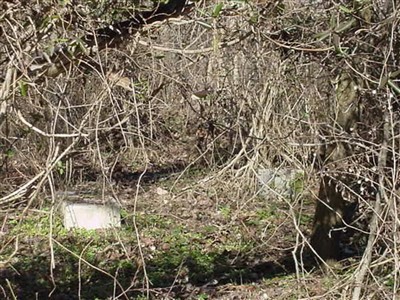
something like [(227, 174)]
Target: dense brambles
[(206, 102)]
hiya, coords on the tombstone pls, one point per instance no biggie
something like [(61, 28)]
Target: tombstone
[(88, 210), (285, 182)]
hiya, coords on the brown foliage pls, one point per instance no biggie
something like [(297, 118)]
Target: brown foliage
[(250, 86)]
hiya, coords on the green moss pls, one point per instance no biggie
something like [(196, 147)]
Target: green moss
[(297, 184), (225, 211), (197, 255)]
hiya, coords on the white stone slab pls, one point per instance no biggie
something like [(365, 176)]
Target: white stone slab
[(81, 211), (283, 181)]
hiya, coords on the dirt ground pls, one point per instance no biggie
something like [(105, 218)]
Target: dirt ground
[(183, 236)]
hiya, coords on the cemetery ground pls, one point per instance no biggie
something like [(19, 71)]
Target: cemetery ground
[(183, 236)]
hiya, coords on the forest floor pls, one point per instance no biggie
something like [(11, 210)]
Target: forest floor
[(198, 240)]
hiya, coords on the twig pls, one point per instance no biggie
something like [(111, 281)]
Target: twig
[(198, 51), (367, 257), (14, 297), (298, 48), (37, 130), (21, 191), (91, 265)]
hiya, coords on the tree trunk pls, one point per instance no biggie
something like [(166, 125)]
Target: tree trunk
[(328, 217), (330, 205)]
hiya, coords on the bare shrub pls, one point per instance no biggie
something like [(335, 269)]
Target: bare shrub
[(312, 86)]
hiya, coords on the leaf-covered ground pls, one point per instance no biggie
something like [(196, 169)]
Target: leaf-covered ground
[(197, 241)]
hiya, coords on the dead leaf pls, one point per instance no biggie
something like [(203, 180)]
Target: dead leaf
[(161, 191)]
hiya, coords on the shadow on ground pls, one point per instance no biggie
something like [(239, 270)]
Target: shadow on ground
[(124, 176), (30, 277)]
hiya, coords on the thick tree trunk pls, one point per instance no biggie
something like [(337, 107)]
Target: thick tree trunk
[(330, 203), (328, 218)]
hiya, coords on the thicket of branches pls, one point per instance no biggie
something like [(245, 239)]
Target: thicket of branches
[(234, 87)]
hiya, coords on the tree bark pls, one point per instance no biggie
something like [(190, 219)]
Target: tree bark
[(331, 206), (328, 217)]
